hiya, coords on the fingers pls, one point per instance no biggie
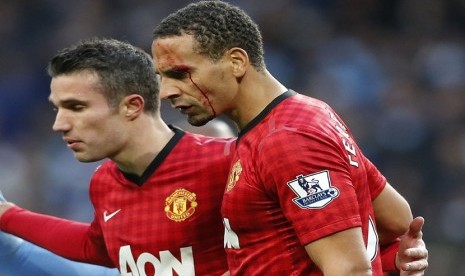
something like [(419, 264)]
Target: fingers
[(416, 253), (418, 260), (415, 227), (415, 267), (411, 273), (414, 259), (419, 265)]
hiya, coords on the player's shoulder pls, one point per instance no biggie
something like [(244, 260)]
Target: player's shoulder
[(105, 167), (105, 174), (286, 136), (302, 109), (312, 123), (309, 115)]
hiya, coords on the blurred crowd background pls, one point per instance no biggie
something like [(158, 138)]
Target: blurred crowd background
[(393, 69)]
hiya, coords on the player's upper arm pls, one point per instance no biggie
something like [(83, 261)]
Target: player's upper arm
[(392, 214), (342, 253)]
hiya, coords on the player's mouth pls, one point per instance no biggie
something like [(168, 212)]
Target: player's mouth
[(185, 109), (71, 143)]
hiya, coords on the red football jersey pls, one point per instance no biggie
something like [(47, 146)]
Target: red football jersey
[(297, 175), (168, 221)]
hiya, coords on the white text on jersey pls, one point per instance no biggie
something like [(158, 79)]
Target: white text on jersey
[(163, 266), (346, 140)]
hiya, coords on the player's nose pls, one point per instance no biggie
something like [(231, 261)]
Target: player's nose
[(169, 90), (61, 123)]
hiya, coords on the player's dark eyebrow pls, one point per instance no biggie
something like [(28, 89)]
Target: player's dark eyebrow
[(181, 68), (176, 72), (176, 69), (67, 102)]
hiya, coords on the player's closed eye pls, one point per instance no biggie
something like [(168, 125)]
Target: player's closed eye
[(77, 107), (178, 74)]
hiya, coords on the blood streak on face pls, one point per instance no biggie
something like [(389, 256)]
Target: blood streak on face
[(186, 69), (170, 55), (205, 95)]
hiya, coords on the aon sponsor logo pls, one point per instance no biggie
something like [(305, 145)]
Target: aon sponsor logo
[(164, 266)]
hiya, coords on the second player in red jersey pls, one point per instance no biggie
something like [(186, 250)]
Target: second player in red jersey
[(301, 196), (298, 176)]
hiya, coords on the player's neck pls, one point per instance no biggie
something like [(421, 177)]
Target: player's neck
[(146, 142), (256, 92)]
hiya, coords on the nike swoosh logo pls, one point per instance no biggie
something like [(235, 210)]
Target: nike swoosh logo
[(107, 217)]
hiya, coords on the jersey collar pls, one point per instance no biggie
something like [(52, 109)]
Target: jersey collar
[(140, 180), (266, 111)]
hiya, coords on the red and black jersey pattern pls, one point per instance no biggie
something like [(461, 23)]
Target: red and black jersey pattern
[(297, 175), (168, 221)]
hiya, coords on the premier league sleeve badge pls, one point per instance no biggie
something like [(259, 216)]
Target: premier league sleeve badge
[(314, 191)]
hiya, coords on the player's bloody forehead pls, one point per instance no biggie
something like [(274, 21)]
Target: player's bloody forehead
[(167, 55)]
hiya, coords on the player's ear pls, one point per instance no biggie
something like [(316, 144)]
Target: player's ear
[(239, 60), (132, 106)]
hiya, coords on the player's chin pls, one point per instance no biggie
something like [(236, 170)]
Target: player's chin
[(199, 120), (85, 158)]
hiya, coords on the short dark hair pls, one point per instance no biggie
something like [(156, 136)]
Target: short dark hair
[(123, 69), (216, 27)]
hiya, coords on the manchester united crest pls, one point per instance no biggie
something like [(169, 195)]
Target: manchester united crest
[(180, 205), (234, 175)]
